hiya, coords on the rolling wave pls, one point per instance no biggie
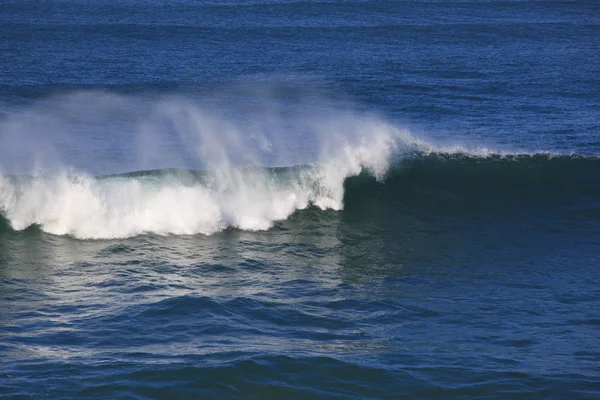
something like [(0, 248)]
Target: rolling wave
[(334, 156), (175, 201)]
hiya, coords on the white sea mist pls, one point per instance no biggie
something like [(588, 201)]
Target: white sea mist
[(55, 152)]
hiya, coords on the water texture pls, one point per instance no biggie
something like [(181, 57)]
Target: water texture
[(299, 199)]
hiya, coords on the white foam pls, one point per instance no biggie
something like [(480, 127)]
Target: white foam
[(83, 131), (77, 204)]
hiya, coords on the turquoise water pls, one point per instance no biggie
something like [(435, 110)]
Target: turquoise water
[(287, 199)]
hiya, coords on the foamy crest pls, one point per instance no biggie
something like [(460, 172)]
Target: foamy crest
[(74, 203), (232, 139)]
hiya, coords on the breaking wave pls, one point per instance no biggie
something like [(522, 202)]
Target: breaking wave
[(225, 152), (183, 202)]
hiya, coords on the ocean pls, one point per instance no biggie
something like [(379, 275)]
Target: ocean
[(287, 199)]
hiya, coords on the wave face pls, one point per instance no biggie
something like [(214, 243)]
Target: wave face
[(183, 202), (494, 180)]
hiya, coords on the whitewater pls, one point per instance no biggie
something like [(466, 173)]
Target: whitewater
[(67, 200)]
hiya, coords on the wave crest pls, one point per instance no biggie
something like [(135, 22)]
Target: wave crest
[(182, 202)]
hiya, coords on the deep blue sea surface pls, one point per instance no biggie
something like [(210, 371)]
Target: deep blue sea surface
[(276, 199)]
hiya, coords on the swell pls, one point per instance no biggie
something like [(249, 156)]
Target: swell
[(174, 201)]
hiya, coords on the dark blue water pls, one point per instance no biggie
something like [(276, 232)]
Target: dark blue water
[(299, 199)]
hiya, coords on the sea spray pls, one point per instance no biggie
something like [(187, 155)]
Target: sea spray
[(64, 143), (83, 206), (233, 140)]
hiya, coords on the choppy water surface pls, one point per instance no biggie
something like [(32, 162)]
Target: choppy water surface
[(345, 199)]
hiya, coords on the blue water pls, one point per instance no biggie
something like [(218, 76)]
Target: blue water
[(299, 199)]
